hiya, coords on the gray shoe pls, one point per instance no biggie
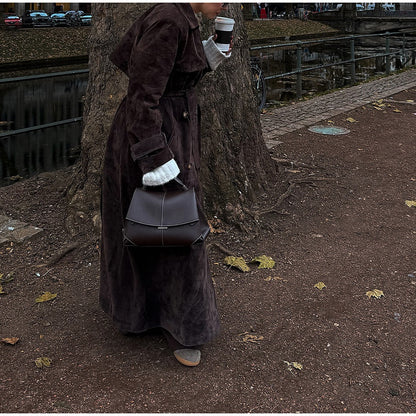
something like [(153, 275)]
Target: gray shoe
[(188, 357)]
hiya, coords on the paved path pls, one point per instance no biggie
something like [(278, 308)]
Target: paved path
[(283, 120)]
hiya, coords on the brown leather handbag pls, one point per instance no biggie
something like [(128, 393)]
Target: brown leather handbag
[(164, 219)]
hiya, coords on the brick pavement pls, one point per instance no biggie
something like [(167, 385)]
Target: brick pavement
[(279, 121)]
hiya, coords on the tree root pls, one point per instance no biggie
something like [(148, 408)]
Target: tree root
[(62, 253), (221, 248), (292, 183)]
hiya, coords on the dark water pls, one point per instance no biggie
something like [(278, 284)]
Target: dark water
[(31, 103), (279, 61)]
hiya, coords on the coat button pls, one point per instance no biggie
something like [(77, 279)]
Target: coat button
[(185, 115)]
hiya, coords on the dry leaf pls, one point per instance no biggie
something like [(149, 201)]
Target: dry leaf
[(215, 226), (319, 285), (351, 120), (43, 362), (237, 262), (375, 293), (247, 337), (2, 292), (410, 203), (293, 364), (396, 110), (46, 296), (11, 341), (265, 262), (270, 278), (410, 101)]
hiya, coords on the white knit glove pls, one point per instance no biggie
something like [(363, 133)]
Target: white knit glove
[(213, 54), (161, 175)]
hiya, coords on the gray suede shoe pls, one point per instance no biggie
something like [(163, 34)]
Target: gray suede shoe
[(188, 357)]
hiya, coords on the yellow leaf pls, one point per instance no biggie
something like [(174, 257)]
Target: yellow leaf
[(237, 262), (2, 292), (319, 285), (46, 296), (375, 293), (293, 364), (410, 203), (251, 338), (330, 122), (351, 120), (264, 262), (43, 362), (270, 278), (11, 341), (396, 110), (410, 101)]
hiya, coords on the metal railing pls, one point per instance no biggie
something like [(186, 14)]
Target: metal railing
[(10, 133), (351, 62)]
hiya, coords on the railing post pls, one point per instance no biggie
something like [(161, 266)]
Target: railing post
[(352, 57), (387, 53), (299, 69)]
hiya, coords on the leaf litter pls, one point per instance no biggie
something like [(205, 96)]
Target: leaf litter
[(43, 362), (247, 337), (10, 341), (46, 296), (319, 285), (237, 262), (265, 262), (375, 293), (293, 365)]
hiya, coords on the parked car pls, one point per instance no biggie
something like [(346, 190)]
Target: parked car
[(36, 18), (10, 21), (58, 19), (85, 18), (73, 18)]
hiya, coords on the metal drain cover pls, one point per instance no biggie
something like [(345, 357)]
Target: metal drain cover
[(332, 130)]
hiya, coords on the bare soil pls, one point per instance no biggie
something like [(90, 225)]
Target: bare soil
[(344, 222)]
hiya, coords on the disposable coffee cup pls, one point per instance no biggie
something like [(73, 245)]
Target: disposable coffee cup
[(224, 30)]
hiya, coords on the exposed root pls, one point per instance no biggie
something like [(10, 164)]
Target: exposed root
[(221, 248), (58, 256)]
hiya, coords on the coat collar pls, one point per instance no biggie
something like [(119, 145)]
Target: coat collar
[(189, 14)]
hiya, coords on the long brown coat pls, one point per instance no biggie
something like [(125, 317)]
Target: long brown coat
[(144, 288)]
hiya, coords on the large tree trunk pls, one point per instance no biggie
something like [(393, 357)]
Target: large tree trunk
[(236, 163)]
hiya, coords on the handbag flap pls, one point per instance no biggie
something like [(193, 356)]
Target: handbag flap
[(163, 208)]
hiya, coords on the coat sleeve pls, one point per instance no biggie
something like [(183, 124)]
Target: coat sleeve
[(151, 62)]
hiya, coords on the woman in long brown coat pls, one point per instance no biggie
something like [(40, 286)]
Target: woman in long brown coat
[(155, 138)]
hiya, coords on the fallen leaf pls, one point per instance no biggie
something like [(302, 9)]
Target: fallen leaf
[(319, 285), (293, 364), (247, 337), (331, 122), (375, 293), (2, 292), (410, 203), (11, 341), (43, 362), (396, 110), (265, 262), (351, 120), (46, 296), (293, 171), (8, 278), (270, 278), (410, 101), (237, 262)]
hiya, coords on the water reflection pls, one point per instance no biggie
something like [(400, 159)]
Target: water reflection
[(279, 61), (36, 102)]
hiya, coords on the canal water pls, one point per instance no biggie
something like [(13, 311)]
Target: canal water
[(284, 60), (37, 102)]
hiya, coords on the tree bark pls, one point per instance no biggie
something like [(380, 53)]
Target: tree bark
[(236, 165)]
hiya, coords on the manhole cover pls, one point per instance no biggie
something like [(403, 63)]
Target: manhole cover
[(332, 130)]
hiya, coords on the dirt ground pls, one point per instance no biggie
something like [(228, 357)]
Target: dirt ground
[(345, 224)]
